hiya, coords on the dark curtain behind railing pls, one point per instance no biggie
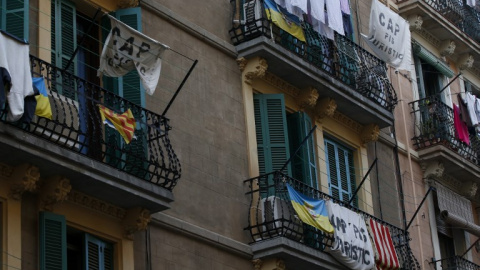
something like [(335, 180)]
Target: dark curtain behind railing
[(77, 126), (433, 125), (272, 215), (341, 58)]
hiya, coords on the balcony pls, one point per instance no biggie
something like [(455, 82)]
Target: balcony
[(277, 233), (452, 20), (77, 145), (339, 69), (435, 139), (458, 263)]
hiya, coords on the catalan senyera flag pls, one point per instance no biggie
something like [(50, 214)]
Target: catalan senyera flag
[(286, 21), (311, 211), (124, 123), (385, 254)]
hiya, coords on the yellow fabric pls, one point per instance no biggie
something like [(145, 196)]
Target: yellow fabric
[(291, 28), (309, 217)]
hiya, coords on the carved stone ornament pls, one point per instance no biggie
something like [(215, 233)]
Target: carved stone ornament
[(127, 3), (6, 170), (416, 22), (370, 133), (258, 70), (469, 189), (242, 63), (96, 204), (280, 265), (136, 219), (447, 47), (257, 264), (307, 98), (325, 107), (24, 178), (54, 190), (465, 61), (434, 169)]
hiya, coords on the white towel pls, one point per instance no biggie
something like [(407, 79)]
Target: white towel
[(299, 8), (470, 100), (335, 20), (317, 10), (14, 57)]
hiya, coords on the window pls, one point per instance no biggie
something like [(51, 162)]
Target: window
[(429, 80), (14, 17), (279, 135), (340, 171), (66, 248)]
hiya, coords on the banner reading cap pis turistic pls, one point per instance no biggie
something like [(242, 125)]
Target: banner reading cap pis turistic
[(389, 36)]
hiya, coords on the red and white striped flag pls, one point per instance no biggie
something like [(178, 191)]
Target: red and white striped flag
[(385, 254)]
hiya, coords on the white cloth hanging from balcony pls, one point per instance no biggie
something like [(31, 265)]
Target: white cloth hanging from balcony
[(471, 3), (389, 36), (297, 7), (352, 246), (335, 19), (126, 49), (317, 10), (470, 101), (14, 57)]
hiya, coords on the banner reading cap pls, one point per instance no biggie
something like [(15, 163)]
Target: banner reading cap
[(126, 49), (389, 36)]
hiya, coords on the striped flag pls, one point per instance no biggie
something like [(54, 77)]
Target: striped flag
[(124, 123), (385, 254)]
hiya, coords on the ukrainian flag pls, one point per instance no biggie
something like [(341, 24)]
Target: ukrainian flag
[(43, 107), (286, 21), (311, 211), (124, 123)]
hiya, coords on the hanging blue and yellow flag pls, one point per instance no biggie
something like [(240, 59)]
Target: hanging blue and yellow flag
[(286, 21), (43, 107), (311, 211)]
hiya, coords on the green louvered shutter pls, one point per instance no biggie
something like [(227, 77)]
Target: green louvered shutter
[(14, 17), (53, 242), (98, 254), (340, 171), (272, 136), (303, 163), (64, 41)]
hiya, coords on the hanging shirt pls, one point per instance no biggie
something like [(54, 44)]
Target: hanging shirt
[(470, 102), (461, 130), (14, 57), (317, 10), (335, 20), (345, 6)]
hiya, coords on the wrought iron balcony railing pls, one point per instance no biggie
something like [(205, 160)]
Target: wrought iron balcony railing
[(464, 17), (341, 58), (434, 125), (77, 125), (458, 263), (272, 215)]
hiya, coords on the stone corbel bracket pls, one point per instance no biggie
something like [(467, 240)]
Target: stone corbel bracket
[(24, 178), (416, 22), (253, 69), (465, 61), (433, 170), (325, 107), (447, 47), (54, 191), (257, 264), (370, 133), (136, 219), (307, 98), (469, 189)]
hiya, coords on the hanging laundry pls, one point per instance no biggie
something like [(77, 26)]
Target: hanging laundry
[(43, 107), (297, 7), (477, 108), (470, 102), (323, 29), (317, 10), (345, 6), (334, 11), (471, 3), (385, 254), (124, 123), (285, 21), (461, 130), (14, 58), (311, 211), (464, 114), (350, 234)]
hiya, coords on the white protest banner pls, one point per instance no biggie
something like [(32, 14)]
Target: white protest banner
[(126, 49), (352, 246), (389, 36)]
